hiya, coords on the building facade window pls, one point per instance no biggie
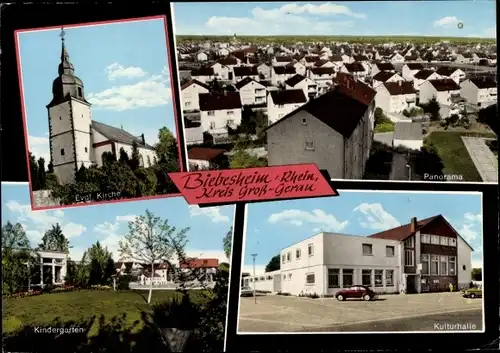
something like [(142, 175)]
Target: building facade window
[(212, 125), (424, 259), (86, 149), (452, 242), (310, 278), (443, 266), (389, 278), (309, 145), (444, 241), (304, 121), (288, 256), (366, 277), (410, 243), (425, 238), (347, 277), (310, 249), (389, 251), (298, 253), (333, 278), (230, 122), (230, 112), (367, 249), (289, 276), (379, 275), (434, 265), (210, 113), (62, 151), (409, 258), (452, 265), (435, 239), (283, 258)]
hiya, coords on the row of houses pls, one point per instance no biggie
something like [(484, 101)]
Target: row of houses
[(422, 256)]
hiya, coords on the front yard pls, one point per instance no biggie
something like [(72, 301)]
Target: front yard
[(454, 155)]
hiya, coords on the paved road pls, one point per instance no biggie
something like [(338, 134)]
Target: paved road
[(399, 170), (470, 320), (485, 161)]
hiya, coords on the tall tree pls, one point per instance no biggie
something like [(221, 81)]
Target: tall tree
[(101, 266), (227, 243), (54, 240), (433, 108), (135, 160), (18, 259), (274, 264), (35, 185), (123, 156), (42, 174), (166, 148), (151, 240)]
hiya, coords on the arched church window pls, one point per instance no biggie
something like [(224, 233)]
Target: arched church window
[(149, 161), (80, 92), (141, 161)]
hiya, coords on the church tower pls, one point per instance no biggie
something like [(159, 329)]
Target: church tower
[(70, 121)]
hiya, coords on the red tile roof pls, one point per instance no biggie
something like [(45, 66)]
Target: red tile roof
[(289, 96), (200, 263), (194, 82), (219, 101), (401, 87), (446, 84), (205, 153), (402, 232)]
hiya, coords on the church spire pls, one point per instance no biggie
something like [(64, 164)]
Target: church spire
[(65, 67)]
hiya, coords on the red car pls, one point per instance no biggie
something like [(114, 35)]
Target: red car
[(356, 292)]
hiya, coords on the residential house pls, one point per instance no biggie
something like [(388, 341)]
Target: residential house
[(409, 70), (281, 60), (397, 58), (242, 72), (444, 90), (395, 97), (206, 268), (464, 58), (223, 52), (218, 110), (382, 67), (205, 158), (203, 75), (251, 92), (282, 102), (335, 131), (309, 60), (309, 87), (193, 132), (479, 91), (454, 73), (53, 266), (321, 75), (300, 68), (190, 92), (355, 69), (423, 76), (281, 73), (323, 63), (264, 71), (408, 135), (385, 76), (222, 72), (202, 56)]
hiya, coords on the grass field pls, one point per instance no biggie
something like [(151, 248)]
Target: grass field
[(82, 305), (315, 38), (454, 155)]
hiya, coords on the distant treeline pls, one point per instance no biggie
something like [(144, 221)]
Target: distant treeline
[(292, 39)]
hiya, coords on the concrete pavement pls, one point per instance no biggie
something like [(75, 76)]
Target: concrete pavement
[(384, 137), (485, 161)]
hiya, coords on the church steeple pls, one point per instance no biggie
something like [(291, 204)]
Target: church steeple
[(65, 67)]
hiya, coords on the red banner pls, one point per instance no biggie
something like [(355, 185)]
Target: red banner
[(252, 184)]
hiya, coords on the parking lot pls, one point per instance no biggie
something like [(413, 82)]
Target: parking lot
[(275, 313)]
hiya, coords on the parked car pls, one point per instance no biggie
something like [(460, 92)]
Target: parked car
[(473, 293), (246, 292), (355, 292)]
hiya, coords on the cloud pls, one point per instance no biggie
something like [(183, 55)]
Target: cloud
[(471, 217), (324, 222), (116, 70), (40, 147), (376, 217), (106, 228), (286, 19), (447, 22), (36, 223), (152, 90), (468, 233), (126, 218), (211, 212)]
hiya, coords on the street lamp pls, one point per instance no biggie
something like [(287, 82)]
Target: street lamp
[(254, 293)]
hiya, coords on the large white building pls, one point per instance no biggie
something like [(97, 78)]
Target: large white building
[(421, 256), (75, 139), (479, 91)]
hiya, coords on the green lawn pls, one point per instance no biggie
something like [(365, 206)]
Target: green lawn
[(386, 126), (454, 155), (81, 305)]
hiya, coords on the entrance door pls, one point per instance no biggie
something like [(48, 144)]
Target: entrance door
[(277, 283), (411, 286), (230, 76)]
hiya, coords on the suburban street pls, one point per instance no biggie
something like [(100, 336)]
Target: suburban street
[(274, 313)]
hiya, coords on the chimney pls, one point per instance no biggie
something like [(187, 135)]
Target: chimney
[(143, 140), (413, 225)]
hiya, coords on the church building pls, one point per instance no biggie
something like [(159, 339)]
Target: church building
[(76, 139)]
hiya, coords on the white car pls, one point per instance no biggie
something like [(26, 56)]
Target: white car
[(246, 292)]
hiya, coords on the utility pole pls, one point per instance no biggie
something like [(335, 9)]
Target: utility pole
[(254, 293)]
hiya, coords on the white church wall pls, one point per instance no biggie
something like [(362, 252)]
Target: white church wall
[(81, 116), (144, 152), (59, 118), (83, 149), (98, 151), (62, 149), (98, 137)]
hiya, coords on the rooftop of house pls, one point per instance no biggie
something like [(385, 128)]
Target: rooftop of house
[(424, 74), (294, 80), (205, 153), (219, 101), (288, 96), (119, 135), (194, 82), (484, 82), (446, 84), (399, 88)]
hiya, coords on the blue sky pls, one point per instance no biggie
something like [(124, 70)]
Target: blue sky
[(85, 226), (342, 18), (272, 226), (124, 68)]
